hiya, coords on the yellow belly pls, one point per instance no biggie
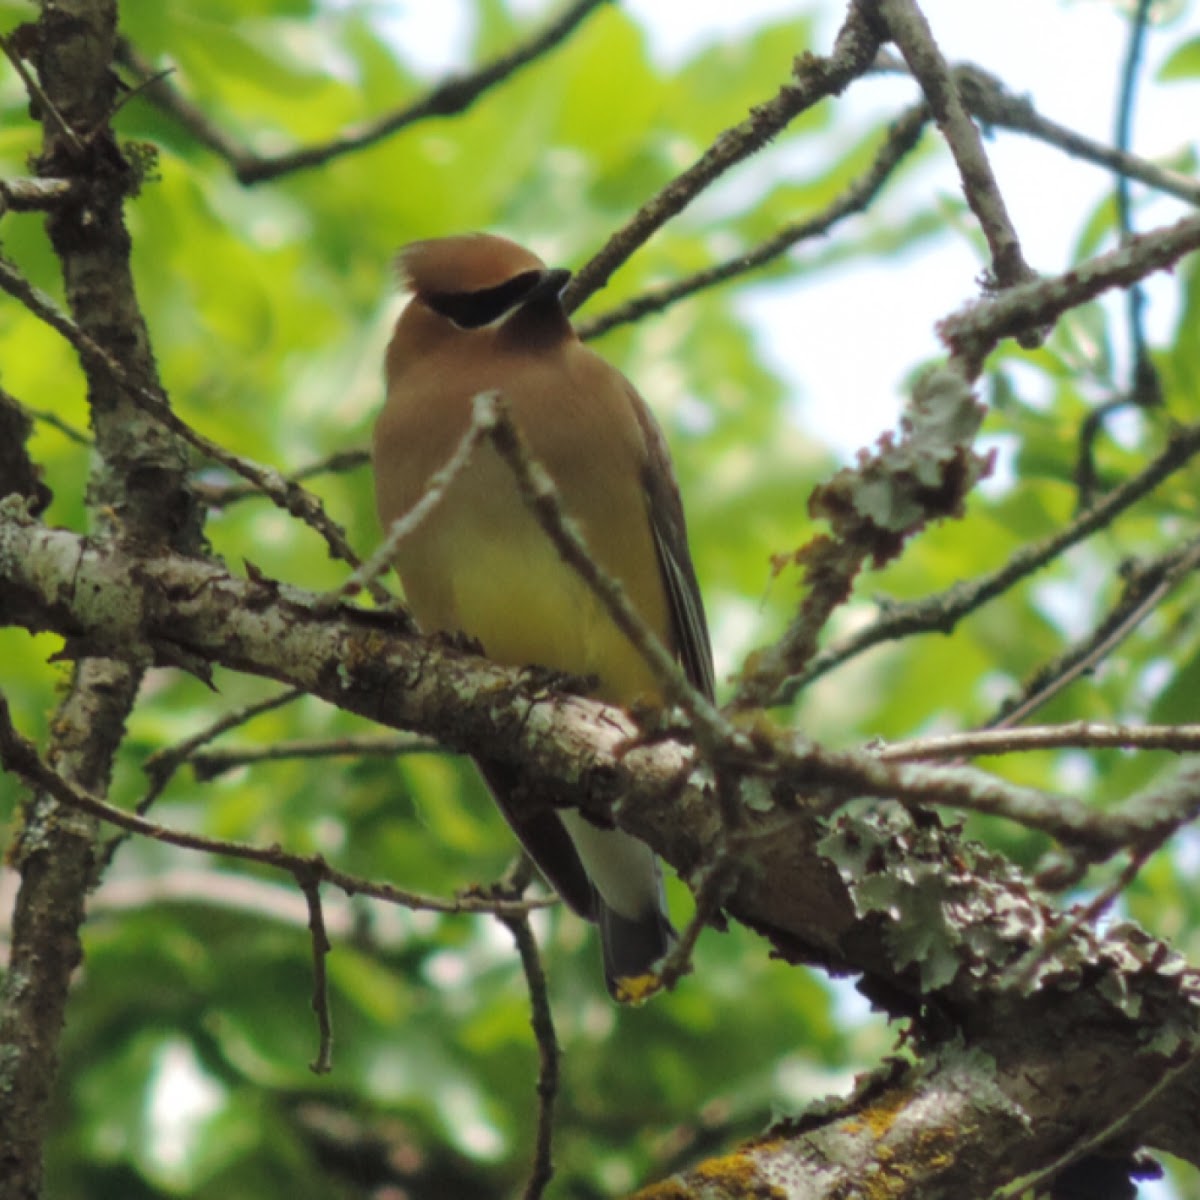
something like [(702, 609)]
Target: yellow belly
[(481, 565)]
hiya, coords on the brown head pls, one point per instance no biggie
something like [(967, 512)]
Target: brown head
[(473, 282)]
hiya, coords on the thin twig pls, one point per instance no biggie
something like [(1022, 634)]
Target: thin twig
[(451, 96), (56, 422), (718, 881), (902, 137), (158, 88), (311, 887), (217, 762), (162, 764), (1129, 166), (910, 31), (940, 613), (19, 755), (814, 79), (1143, 595), (132, 93), (289, 496), (217, 495), (542, 1021), (1178, 739)]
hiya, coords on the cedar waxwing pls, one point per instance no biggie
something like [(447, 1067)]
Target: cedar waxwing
[(486, 315)]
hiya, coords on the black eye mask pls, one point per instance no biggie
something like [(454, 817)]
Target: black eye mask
[(473, 310)]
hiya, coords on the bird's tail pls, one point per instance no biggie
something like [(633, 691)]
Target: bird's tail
[(633, 950), (596, 870)]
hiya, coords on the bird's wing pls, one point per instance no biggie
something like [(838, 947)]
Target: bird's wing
[(665, 509), (544, 838), (687, 608)]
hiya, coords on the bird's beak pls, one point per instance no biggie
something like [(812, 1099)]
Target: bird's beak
[(549, 287)]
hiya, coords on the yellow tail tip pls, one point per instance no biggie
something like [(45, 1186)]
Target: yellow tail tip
[(637, 989)]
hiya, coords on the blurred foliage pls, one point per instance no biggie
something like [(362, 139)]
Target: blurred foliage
[(184, 1066)]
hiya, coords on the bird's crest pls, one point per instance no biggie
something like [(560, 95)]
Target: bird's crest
[(471, 262)]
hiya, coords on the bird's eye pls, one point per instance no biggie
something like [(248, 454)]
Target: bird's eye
[(473, 310)]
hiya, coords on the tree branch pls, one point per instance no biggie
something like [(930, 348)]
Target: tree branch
[(1178, 739), (994, 105), (368, 663), (814, 79), (20, 756), (311, 887), (1145, 590), (940, 613), (542, 1020), (873, 509), (972, 333), (218, 495), (212, 763), (453, 95), (151, 401), (907, 27), (903, 135), (137, 491)]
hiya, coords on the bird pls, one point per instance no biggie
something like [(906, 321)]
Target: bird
[(486, 315)]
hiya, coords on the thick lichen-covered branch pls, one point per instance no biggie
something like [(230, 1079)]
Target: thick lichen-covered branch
[(868, 888), (137, 491)]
